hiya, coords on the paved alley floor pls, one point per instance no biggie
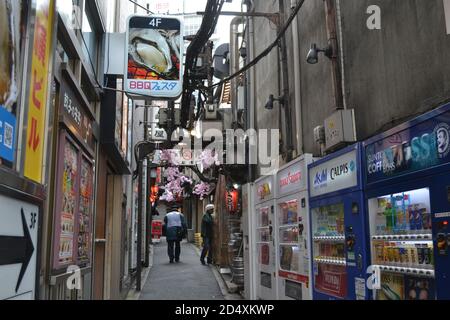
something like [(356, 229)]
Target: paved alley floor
[(186, 280)]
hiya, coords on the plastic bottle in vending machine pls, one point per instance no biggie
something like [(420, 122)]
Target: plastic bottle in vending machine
[(410, 225), (389, 215), (418, 218)]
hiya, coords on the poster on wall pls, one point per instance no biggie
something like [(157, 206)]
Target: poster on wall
[(68, 211), (154, 49), (85, 214), (13, 24)]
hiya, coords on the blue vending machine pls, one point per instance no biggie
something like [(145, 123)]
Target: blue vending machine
[(408, 196), (340, 254)]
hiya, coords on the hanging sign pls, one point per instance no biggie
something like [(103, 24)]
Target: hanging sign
[(39, 87), (154, 51)]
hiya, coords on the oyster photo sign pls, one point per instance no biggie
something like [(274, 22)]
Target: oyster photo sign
[(154, 57)]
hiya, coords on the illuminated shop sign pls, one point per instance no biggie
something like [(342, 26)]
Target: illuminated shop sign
[(334, 175), (420, 147)]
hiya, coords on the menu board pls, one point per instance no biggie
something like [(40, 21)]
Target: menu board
[(84, 218), (69, 197)]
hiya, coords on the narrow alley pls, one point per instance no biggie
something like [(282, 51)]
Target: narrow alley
[(186, 280), (297, 150)]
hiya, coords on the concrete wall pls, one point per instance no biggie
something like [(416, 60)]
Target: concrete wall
[(398, 71), (390, 75), (267, 79)]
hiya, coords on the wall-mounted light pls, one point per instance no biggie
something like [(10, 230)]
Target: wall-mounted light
[(272, 99), (313, 54)]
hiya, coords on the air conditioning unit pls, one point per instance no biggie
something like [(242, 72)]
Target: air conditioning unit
[(340, 130)]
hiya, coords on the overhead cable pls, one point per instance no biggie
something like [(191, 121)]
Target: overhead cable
[(266, 51)]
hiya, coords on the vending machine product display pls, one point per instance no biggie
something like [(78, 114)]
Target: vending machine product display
[(264, 215), (408, 193), (340, 250), (293, 242)]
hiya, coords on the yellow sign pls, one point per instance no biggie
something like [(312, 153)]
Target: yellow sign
[(39, 86)]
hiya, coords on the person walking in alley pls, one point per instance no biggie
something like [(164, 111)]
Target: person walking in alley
[(207, 234), (175, 225)]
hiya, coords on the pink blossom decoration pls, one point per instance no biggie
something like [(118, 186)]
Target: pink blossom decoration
[(208, 158)]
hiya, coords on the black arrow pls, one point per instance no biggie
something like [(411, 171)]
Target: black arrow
[(15, 250)]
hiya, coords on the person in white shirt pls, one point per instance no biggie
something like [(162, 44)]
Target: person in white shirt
[(175, 225)]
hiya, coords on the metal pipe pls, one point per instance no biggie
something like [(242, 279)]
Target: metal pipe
[(252, 80), (330, 11), (147, 207), (285, 70), (297, 82), (234, 65), (139, 231)]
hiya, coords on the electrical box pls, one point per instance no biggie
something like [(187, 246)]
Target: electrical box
[(340, 129), (211, 112), (164, 117)]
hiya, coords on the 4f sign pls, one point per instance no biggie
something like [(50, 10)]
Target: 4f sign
[(155, 22), (154, 57)]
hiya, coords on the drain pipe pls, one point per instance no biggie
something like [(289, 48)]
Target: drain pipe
[(234, 65), (330, 11), (286, 96), (297, 81)]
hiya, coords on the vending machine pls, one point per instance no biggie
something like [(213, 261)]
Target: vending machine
[(408, 194), (339, 226), (293, 241), (264, 216)]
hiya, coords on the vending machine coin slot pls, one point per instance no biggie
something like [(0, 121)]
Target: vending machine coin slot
[(301, 228), (360, 262)]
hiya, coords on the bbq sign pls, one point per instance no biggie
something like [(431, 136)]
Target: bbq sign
[(154, 52)]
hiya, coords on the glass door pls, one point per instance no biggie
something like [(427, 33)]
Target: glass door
[(330, 272), (402, 245), (288, 233)]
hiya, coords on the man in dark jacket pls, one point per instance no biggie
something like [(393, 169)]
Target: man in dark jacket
[(207, 234), (175, 225)]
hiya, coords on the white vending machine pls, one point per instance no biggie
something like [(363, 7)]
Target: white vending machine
[(292, 223), (265, 253)]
